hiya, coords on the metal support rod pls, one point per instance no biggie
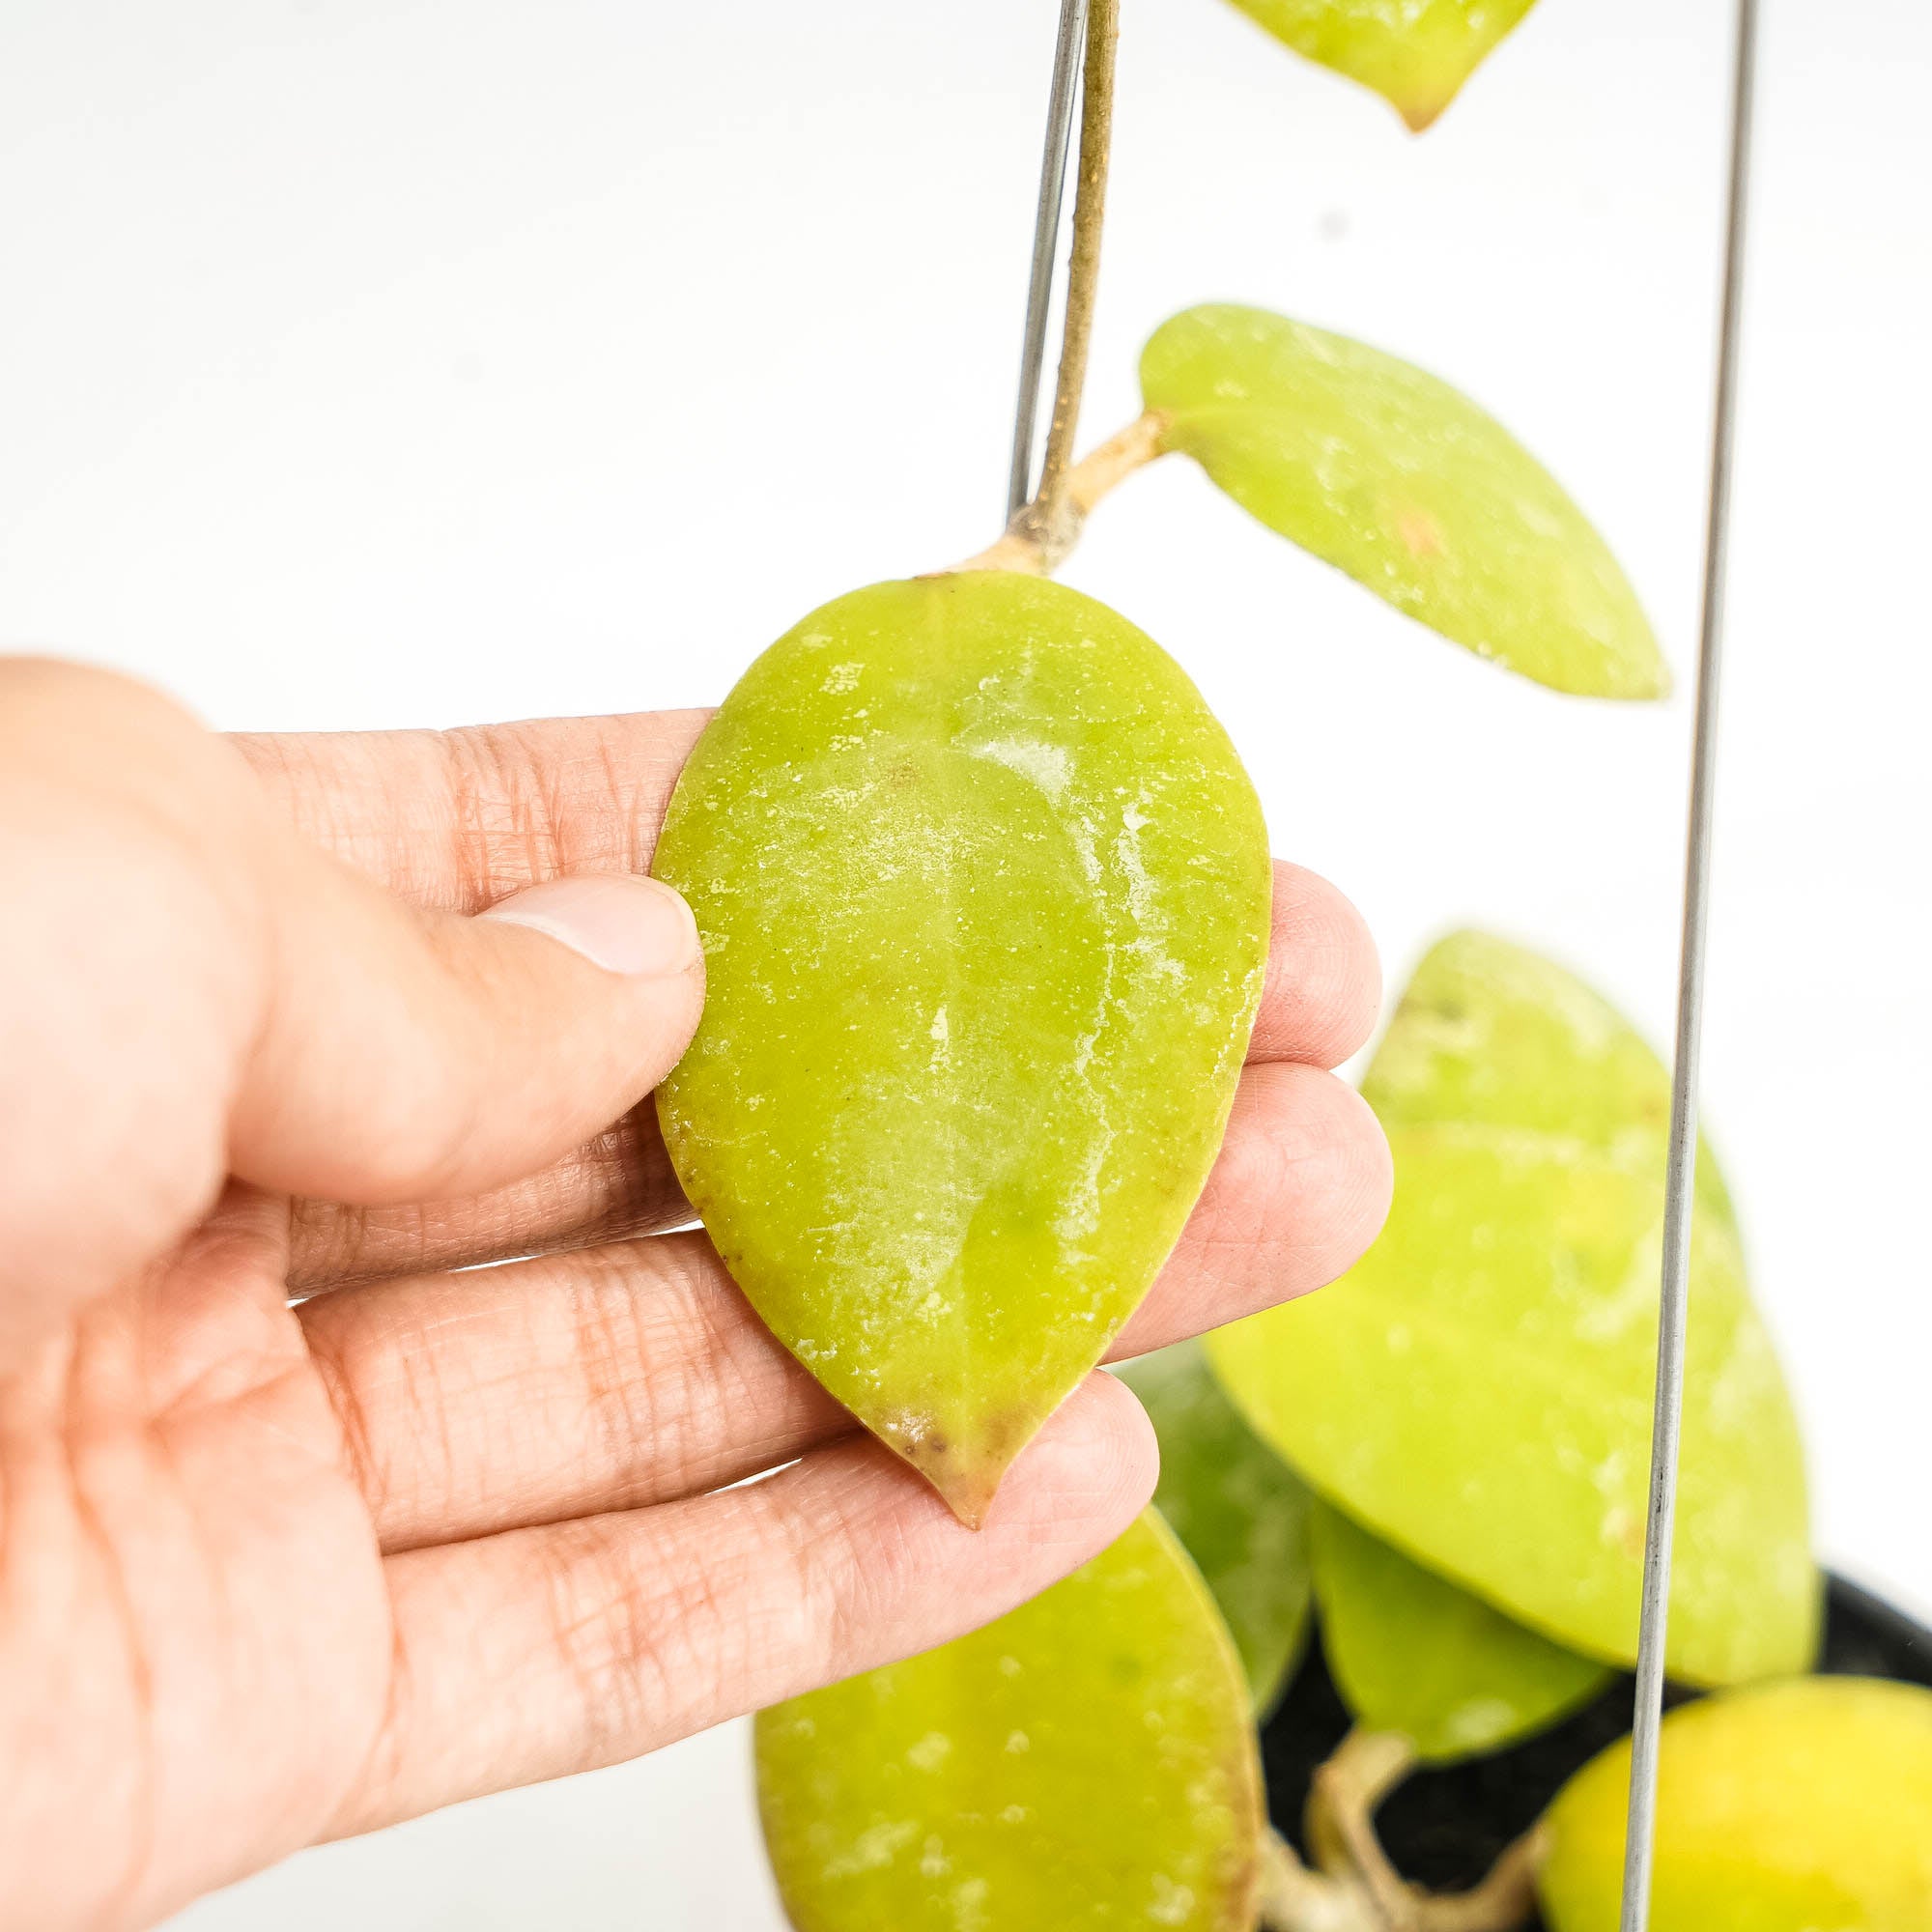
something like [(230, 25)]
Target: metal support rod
[(1640, 1839), (1045, 242)]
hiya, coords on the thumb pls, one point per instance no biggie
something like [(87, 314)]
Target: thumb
[(405, 1054), (189, 988)]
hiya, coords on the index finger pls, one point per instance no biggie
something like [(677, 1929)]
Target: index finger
[(457, 820)]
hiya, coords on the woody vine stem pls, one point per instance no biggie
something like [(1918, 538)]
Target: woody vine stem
[(1351, 1886), (1043, 530), (1083, 273)]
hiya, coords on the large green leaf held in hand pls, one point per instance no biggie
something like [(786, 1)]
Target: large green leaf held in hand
[(1240, 1510), (1404, 484), (984, 898), (1416, 54), (1803, 1807), (1087, 1762), (1411, 1652), (1478, 1389)]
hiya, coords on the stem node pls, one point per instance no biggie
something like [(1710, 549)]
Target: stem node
[(1033, 545), (1354, 1887)]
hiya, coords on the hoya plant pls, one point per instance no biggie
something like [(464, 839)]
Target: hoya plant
[(984, 890), (984, 896), (1437, 1463)]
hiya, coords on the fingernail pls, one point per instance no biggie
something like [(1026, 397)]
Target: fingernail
[(632, 926)]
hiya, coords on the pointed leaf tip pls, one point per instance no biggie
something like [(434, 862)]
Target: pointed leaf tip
[(966, 1484), (1416, 56)]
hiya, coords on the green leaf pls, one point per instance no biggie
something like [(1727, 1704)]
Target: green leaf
[(1478, 1389), (1087, 1762), (1411, 1652), (1404, 484), (1792, 1807), (985, 897), (1416, 54), (1240, 1510), (1492, 1035)]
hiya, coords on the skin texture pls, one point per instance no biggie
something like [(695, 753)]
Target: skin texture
[(274, 1576), (1086, 1763)]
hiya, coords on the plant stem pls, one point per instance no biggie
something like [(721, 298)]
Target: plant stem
[(1069, 46), (1024, 547), (1090, 207), (1295, 1899), (1502, 1902), (1042, 531), (1342, 1803)]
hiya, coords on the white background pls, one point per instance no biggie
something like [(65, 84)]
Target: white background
[(366, 363)]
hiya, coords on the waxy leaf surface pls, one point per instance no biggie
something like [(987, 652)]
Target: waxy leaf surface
[(1404, 484), (1478, 1389), (1416, 54), (984, 898), (1413, 1653), (1087, 1762), (1803, 1807), (1240, 1510)]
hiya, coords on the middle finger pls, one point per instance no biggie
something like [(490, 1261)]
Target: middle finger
[(637, 1372), (1318, 1005)]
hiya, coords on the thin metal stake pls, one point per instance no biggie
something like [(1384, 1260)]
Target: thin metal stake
[(1045, 240), (1639, 1843)]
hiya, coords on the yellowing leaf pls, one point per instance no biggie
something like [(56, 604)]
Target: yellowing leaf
[(985, 897), (1404, 484), (1411, 1652), (1492, 1035), (1416, 54), (1803, 1807), (1086, 1763), (1240, 1510), (1477, 1390)]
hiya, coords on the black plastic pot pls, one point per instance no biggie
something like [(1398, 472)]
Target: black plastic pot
[(1444, 1829)]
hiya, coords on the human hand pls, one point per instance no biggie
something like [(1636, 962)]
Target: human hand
[(274, 1575)]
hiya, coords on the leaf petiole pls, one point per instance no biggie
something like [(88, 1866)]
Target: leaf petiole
[(1355, 1889), (1029, 547)]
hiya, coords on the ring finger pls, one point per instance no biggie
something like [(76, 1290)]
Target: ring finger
[(637, 1372)]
